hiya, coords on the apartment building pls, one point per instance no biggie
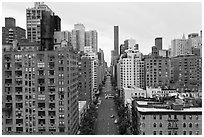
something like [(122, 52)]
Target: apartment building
[(153, 118), (131, 70), (12, 32), (157, 71), (39, 92), (186, 72), (85, 79)]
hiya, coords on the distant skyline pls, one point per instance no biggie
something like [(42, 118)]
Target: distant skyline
[(140, 21)]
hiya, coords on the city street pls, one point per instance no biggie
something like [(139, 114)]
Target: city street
[(105, 124)]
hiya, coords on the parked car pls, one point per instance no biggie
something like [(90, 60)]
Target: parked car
[(112, 116), (116, 121)]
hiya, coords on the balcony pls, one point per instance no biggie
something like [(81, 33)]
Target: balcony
[(172, 127), (18, 66), (18, 82), (8, 82), (173, 120), (18, 74), (18, 90), (9, 121), (7, 58), (41, 106), (19, 106), (41, 114), (8, 98), (51, 114), (41, 81), (8, 74), (19, 122), (19, 114)]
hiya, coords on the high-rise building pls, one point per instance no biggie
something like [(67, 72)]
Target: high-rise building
[(195, 42), (116, 40), (40, 92), (78, 37), (11, 32), (186, 72), (131, 70), (57, 23), (158, 43), (10, 22), (91, 40), (180, 47), (47, 31), (60, 36), (157, 71), (85, 83), (33, 19)]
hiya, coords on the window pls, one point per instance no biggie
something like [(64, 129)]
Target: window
[(160, 132), (154, 117), (196, 125), (184, 124), (143, 133), (41, 65), (155, 132), (190, 124), (154, 125), (160, 125), (190, 132), (169, 132), (184, 117), (184, 132), (160, 117)]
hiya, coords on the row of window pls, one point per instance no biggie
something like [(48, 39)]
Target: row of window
[(173, 133), (190, 117)]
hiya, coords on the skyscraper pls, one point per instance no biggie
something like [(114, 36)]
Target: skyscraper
[(180, 47), (91, 40), (158, 43), (116, 40), (11, 32), (78, 37), (33, 17)]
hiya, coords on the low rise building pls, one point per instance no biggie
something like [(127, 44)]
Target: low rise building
[(82, 110), (131, 92), (165, 118)]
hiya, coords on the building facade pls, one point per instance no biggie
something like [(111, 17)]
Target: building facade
[(91, 40), (186, 72), (157, 71), (131, 70), (158, 120), (180, 47), (78, 37), (85, 79), (33, 21), (11, 32), (40, 94), (60, 36), (116, 40)]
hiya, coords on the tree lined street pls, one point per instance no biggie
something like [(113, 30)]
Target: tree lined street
[(105, 124)]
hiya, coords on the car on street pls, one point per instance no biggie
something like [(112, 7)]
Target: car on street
[(112, 116), (116, 121)]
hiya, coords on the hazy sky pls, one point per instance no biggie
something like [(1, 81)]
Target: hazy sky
[(140, 21)]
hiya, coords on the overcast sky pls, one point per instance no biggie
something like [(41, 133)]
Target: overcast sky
[(140, 21)]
